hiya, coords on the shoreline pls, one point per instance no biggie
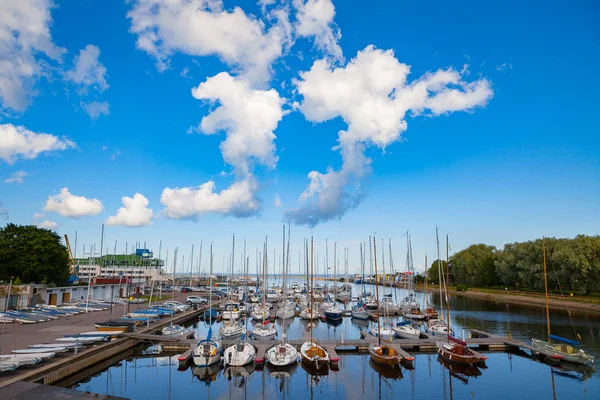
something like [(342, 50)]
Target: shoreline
[(531, 300), (523, 298)]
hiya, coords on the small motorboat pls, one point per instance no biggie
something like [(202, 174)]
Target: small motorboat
[(333, 313), (456, 351), (314, 355), (174, 330), (384, 355), (405, 330), (386, 332)]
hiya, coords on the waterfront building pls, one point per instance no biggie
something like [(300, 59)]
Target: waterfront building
[(140, 265)]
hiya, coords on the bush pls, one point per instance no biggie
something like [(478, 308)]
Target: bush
[(462, 288)]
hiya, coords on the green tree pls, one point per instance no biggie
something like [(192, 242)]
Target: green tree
[(475, 266), (33, 255), (433, 270)]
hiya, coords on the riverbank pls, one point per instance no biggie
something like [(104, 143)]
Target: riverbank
[(589, 305)]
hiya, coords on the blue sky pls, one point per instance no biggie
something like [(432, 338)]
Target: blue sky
[(517, 157)]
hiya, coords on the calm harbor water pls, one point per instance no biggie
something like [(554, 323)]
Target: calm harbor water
[(506, 376)]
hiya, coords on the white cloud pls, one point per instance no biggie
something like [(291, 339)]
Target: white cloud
[(16, 177), (19, 142), (96, 108), (88, 72), (249, 118), (277, 201), (25, 47), (185, 73), (134, 213), (3, 212), (48, 225), (239, 200), (315, 19), (204, 27), (37, 216), (504, 67), (372, 95), (69, 205)]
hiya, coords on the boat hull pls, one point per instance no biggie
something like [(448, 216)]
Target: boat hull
[(314, 355), (451, 352), (385, 355), (564, 352)]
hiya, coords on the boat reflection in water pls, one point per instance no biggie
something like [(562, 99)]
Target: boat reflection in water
[(207, 374), (245, 371), (313, 371), (385, 371), (283, 371), (460, 371), (578, 372)]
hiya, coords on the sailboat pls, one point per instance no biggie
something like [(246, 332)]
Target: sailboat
[(283, 354), (385, 332), (359, 311), (455, 350), (332, 312), (262, 330), (565, 350), (208, 351), (382, 354), (232, 329), (410, 307), (174, 330), (311, 352), (287, 308), (311, 311), (438, 327), (430, 311)]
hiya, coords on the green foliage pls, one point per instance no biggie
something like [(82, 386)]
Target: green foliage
[(573, 265), (462, 288), (32, 255), (433, 270), (475, 265)]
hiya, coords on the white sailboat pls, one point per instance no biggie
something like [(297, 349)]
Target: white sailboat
[(173, 330), (283, 354), (208, 351), (264, 330), (311, 352)]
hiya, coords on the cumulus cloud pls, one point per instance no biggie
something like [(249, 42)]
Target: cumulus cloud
[(372, 95), (88, 72), (48, 225), (70, 205), (25, 47), (203, 28), (249, 118), (16, 177), (96, 108), (134, 213), (19, 142), (238, 200), (314, 18)]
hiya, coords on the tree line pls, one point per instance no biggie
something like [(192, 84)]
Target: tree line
[(573, 265)]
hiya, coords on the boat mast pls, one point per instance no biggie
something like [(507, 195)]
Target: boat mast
[(437, 240), (210, 284), (173, 292), (426, 279), (546, 287), (377, 292), (446, 286), (311, 287)]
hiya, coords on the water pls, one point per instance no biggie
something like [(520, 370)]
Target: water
[(506, 376)]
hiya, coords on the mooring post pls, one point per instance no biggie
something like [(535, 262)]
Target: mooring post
[(342, 337), (76, 345)]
